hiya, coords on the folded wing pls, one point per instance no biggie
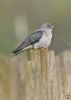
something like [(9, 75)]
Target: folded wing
[(30, 40)]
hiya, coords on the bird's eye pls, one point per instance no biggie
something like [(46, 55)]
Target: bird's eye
[(49, 26)]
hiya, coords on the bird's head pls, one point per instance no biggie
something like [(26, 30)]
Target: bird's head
[(48, 26)]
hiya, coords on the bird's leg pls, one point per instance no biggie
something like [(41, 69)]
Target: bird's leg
[(44, 49)]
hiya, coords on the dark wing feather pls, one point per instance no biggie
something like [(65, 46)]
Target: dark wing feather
[(30, 40)]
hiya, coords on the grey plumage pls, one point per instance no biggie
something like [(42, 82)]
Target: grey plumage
[(30, 40), (35, 40)]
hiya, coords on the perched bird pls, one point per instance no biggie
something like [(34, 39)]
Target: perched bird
[(40, 38)]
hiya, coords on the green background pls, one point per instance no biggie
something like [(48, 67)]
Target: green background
[(57, 12)]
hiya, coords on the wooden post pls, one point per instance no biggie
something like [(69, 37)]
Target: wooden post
[(4, 78), (66, 74), (40, 77), (14, 80)]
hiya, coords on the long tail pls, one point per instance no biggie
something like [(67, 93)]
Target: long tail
[(18, 51)]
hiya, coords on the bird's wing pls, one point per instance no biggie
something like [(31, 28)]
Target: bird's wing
[(30, 40)]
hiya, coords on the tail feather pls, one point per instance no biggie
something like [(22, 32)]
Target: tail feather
[(18, 51)]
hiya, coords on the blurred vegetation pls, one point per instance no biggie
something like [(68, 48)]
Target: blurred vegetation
[(37, 12)]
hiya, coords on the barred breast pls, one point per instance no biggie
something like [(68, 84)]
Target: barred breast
[(44, 42)]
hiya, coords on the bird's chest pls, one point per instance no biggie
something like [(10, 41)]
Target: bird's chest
[(44, 41)]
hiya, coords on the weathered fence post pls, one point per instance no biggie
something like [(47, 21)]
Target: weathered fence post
[(13, 79), (65, 59), (40, 75), (4, 78), (44, 76)]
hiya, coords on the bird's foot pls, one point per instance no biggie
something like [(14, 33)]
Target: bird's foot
[(44, 49)]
